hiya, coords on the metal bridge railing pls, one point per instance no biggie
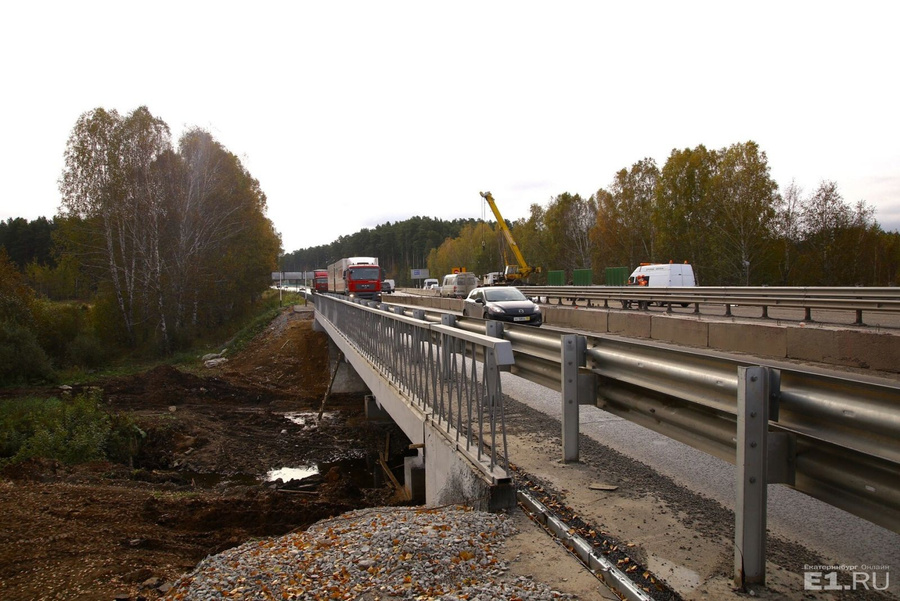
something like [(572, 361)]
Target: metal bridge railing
[(833, 436), (436, 367)]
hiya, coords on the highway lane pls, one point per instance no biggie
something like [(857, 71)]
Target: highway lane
[(776, 315), (780, 315)]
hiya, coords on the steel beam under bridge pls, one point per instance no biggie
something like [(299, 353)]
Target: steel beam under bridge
[(425, 376)]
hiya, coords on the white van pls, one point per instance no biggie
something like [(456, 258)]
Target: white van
[(459, 285), (430, 284), (662, 275)]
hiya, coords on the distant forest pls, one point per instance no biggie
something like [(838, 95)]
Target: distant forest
[(400, 247), (719, 210)]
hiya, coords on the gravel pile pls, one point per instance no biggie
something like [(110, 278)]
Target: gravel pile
[(381, 553)]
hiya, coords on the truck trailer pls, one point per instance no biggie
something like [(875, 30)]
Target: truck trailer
[(357, 277)]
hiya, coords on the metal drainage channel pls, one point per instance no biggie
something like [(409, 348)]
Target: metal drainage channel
[(597, 563)]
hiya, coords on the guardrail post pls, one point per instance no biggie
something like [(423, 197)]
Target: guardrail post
[(494, 329), (573, 388), (751, 472)]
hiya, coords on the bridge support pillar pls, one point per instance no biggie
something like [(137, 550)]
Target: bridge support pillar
[(347, 379), (374, 411), (414, 478)]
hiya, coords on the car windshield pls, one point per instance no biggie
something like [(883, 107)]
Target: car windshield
[(503, 294), (364, 273)]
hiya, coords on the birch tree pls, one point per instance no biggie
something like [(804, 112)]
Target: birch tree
[(177, 235), (568, 220), (787, 227), (743, 196), (625, 227), (839, 240), (107, 186)]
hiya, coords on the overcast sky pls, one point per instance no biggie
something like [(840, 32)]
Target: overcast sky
[(352, 114)]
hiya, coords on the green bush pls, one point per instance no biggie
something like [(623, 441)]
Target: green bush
[(56, 324), (124, 440), (107, 321), (86, 350), (19, 421), (70, 431), (21, 357)]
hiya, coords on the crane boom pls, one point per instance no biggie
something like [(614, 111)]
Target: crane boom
[(512, 272)]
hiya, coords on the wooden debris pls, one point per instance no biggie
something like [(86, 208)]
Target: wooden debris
[(599, 486)]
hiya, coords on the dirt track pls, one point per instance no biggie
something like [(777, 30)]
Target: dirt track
[(104, 531)]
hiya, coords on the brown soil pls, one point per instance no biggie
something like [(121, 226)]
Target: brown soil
[(197, 486)]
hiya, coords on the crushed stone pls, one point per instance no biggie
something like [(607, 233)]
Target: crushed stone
[(444, 553)]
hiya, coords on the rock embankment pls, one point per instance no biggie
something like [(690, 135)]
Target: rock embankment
[(399, 552)]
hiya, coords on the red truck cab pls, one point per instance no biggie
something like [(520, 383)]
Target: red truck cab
[(358, 277), (320, 280)]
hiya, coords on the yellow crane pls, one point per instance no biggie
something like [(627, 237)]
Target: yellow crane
[(521, 270)]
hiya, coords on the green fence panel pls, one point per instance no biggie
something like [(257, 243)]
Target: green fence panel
[(616, 276), (556, 278), (583, 277)]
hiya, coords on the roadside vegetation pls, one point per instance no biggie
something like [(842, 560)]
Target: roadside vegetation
[(719, 210), (158, 249), (68, 430), (78, 429)]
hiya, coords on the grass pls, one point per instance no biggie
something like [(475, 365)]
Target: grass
[(75, 430), (72, 430), (233, 338)]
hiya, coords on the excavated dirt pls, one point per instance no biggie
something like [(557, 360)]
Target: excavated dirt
[(201, 481)]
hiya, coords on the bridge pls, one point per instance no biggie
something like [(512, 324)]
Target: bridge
[(834, 436)]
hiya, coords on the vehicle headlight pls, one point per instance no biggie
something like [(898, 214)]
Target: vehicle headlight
[(495, 310), (537, 309)]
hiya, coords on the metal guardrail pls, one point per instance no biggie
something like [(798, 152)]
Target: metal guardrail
[(434, 367), (858, 300), (833, 436)]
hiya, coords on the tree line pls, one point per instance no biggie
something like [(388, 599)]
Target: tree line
[(719, 210), (161, 244), (400, 247), (164, 243)]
